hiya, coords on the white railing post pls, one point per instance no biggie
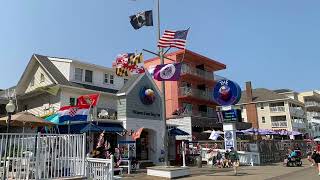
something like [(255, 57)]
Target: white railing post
[(37, 151), (84, 154), (183, 155), (111, 166)]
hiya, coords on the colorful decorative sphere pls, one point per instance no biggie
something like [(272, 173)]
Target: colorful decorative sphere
[(149, 92), (147, 96)]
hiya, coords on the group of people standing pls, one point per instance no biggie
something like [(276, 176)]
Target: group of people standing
[(229, 159)]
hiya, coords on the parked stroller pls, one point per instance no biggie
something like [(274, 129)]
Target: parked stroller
[(294, 159)]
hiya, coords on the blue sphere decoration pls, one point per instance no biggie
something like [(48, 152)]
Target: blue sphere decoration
[(226, 93), (147, 96)]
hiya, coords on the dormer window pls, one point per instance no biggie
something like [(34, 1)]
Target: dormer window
[(78, 74), (88, 76), (42, 79)]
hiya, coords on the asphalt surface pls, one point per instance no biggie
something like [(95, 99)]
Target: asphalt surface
[(304, 174)]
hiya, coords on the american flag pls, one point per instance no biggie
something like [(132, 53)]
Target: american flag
[(173, 39)]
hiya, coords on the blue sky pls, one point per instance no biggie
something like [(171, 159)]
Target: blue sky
[(273, 43)]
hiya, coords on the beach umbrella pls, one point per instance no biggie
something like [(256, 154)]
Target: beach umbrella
[(25, 118), (54, 118)]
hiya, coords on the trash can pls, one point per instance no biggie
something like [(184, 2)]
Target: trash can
[(199, 161)]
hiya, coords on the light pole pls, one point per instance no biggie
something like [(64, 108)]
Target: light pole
[(10, 108), (163, 88)]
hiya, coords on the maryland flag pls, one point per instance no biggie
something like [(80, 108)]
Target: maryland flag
[(129, 63)]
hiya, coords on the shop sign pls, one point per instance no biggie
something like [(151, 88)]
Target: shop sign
[(146, 113), (226, 93), (233, 115)]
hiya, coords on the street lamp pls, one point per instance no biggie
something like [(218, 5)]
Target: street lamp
[(10, 107)]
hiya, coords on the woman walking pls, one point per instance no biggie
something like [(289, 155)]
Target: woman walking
[(316, 158)]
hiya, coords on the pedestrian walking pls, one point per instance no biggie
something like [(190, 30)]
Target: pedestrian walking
[(310, 151), (316, 158), (234, 157)]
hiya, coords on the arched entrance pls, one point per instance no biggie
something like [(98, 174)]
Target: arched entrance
[(145, 145)]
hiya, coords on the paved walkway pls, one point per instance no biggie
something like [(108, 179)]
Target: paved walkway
[(272, 172)]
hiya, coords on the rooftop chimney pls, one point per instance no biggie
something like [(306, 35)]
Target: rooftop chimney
[(249, 92)]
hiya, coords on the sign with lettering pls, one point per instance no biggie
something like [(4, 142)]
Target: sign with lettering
[(151, 114), (233, 115), (226, 93)]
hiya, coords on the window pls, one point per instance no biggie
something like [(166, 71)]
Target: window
[(72, 101), (88, 76), (106, 78), (41, 77), (263, 120), (125, 80), (32, 82), (111, 79), (78, 74), (25, 107), (261, 106)]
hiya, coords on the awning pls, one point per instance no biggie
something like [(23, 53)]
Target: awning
[(177, 132), (91, 127)]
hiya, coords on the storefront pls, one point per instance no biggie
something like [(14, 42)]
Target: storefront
[(139, 106)]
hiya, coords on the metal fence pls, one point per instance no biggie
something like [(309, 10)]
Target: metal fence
[(42, 156)]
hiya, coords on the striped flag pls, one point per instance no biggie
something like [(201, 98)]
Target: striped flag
[(175, 39)]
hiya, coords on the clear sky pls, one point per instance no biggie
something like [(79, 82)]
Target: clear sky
[(273, 43)]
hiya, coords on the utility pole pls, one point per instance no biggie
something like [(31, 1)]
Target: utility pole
[(163, 98)]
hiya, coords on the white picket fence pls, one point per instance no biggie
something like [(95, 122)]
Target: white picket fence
[(100, 169), (42, 156)]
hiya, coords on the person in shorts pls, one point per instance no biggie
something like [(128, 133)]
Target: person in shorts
[(234, 157)]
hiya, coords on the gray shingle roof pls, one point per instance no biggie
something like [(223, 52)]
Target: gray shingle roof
[(129, 83), (95, 88), (53, 70), (283, 90), (261, 94)]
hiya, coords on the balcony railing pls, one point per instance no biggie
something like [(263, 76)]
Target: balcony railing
[(296, 111), (186, 69), (212, 114), (299, 123), (313, 114), (312, 104), (279, 124), (277, 109), (187, 91)]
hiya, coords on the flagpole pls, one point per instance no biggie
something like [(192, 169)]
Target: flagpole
[(163, 98)]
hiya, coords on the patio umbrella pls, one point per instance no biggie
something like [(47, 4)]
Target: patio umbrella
[(295, 133), (284, 133), (251, 131), (210, 131), (317, 139), (23, 119)]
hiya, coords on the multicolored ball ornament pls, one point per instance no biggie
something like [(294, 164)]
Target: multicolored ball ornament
[(147, 96)]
